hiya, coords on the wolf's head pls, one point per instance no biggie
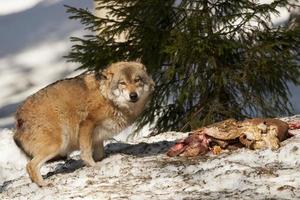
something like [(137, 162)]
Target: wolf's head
[(127, 84)]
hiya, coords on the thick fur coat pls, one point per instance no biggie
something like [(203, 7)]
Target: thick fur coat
[(79, 113)]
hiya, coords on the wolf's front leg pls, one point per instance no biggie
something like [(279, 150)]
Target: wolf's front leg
[(98, 153), (85, 142)]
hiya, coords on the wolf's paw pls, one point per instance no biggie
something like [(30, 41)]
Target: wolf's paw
[(88, 160), (98, 156), (44, 184), (89, 163)]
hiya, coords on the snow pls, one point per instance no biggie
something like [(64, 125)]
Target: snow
[(33, 41), (34, 37), (9, 7), (283, 16), (140, 169), (12, 159)]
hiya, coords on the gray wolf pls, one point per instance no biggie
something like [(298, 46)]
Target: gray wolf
[(79, 113)]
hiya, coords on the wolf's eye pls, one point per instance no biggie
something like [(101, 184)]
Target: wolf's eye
[(122, 83), (137, 80)]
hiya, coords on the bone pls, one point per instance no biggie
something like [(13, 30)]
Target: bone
[(257, 133), (248, 143), (282, 127)]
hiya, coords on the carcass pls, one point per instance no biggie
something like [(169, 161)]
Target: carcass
[(257, 133)]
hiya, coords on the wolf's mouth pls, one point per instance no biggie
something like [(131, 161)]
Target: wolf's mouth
[(133, 101)]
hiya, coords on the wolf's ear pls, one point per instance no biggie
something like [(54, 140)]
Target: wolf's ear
[(143, 67), (104, 75)]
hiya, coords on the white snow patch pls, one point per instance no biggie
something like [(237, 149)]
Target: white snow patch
[(40, 74), (141, 170), (13, 6), (12, 159)]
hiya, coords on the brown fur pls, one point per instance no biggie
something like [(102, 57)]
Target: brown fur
[(79, 113)]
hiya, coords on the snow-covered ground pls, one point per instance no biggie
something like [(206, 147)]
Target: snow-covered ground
[(9, 7), (139, 169), (12, 159), (34, 37)]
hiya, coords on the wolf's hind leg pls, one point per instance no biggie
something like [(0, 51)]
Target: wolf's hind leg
[(98, 153), (33, 167)]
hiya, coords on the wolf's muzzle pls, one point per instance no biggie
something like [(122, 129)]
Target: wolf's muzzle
[(133, 97)]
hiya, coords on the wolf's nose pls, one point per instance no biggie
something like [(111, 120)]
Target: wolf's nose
[(133, 96)]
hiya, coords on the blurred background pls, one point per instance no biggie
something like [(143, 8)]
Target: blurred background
[(34, 37)]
